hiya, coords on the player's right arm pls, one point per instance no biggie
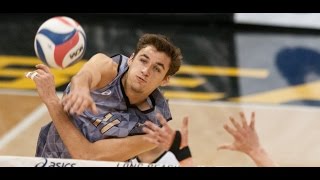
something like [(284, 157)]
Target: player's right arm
[(96, 73), (116, 149)]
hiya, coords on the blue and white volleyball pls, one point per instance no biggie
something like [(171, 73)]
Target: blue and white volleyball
[(60, 42)]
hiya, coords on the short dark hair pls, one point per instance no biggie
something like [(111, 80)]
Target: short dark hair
[(162, 44)]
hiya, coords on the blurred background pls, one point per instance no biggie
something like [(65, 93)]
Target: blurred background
[(267, 63)]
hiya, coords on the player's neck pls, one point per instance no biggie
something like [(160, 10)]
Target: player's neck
[(138, 99)]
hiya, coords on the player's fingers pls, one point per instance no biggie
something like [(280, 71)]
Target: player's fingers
[(243, 120), (28, 74), (235, 123), (185, 122), (67, 104), (40, 72), (230, 130), (151, 134), (148, 131), (43, 67), (31, 74), (93, 108), (77, 105), (161, 119), (152, 126), (151, 140), (164, 134), (165, 143), (65, 98), (252, 122), (82, 108), (184, 132)]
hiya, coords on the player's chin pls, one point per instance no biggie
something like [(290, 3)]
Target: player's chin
[(139, 88)]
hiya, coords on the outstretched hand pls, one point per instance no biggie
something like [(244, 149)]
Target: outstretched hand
[(244, 135), (246, 140)]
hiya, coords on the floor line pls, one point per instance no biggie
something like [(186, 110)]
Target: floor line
[(23, 125)]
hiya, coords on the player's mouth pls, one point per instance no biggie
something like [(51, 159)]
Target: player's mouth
[(141, 80)]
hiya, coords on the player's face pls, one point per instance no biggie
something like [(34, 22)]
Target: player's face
[(148, 70)]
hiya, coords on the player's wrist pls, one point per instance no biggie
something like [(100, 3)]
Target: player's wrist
[(52, 100), (256, 152), (182, 153)]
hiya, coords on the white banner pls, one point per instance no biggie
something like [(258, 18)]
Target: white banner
[(300, 20)]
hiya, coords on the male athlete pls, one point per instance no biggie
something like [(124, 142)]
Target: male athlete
[(108, 100)]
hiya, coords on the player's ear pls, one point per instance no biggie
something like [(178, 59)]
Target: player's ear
[(130, 59), (165, 81)]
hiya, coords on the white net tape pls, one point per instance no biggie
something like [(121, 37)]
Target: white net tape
[(18, 161)]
